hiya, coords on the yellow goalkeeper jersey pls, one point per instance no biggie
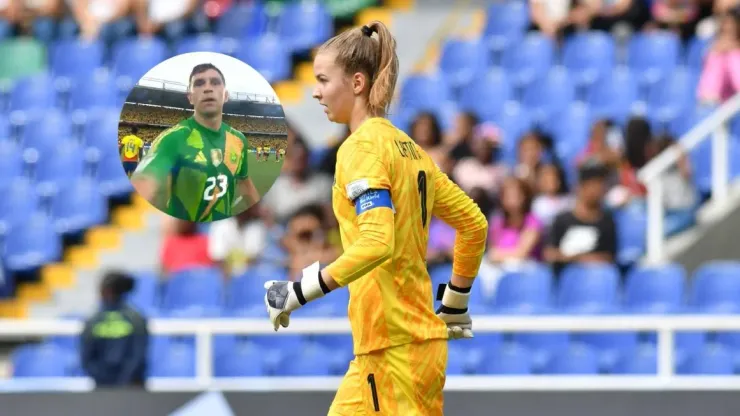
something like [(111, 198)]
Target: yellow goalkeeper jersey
[(386, 189)]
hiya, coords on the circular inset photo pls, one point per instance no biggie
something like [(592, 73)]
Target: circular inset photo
[(202, 136)]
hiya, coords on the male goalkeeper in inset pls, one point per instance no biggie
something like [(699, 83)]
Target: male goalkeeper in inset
[(197, 170)]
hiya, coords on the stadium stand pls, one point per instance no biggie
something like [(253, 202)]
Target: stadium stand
[(523, 82)]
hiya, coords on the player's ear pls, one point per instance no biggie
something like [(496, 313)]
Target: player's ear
[(226, 95), (359, 80), (190, 97)]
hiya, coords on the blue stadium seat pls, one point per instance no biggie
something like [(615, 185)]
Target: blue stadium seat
[(33, 94), (614, 95), (268, 56), (685, 343), (542, 346), (310, 360), (101, 130), (631, 234), (609, 346), (589, 56), (514, 121), (588, 289), (577, 359), (524, 291), (691, 117), (46, 131), (644, 360), (654, 55), (45, 360), (19, 202), (34, 244), (570, 127), (655, 290), (487, 95), (144, 295), (509, 359), (12, 165), (548, 94), (456, 360), (478, 349), (177, 361), (506, 23), (246, 297), (5, 131), (134, 57), (715, 287), (242, 21), (98, 92), (462, 60), (76, 59), (207, 43), (421, 92), (304, 25), (194, 292), (57, 167), (528, 59), (697, 51), (110, 175), (244, 360), (672, 96), (79, 206), (713, 359)]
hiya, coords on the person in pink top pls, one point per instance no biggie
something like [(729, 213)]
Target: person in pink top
[(184, 249), (720, 78), (481, 170), (515, 233)]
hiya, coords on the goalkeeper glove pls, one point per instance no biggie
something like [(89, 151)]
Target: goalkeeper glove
[(283, 297), (454, 310)]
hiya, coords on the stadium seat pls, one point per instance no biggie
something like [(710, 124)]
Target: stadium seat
[(713, 359), (310, 360), (177, 361), (134, 57), (548, 94), (697, 51), (644, 360), (588, 289), (246, 296), (487, 95), (577, 359), (305, 25), (242, 21), (614, 95), (478, 350), (672, 96), (506, 23), (715, 287), (29, 57), (524, 291), (609, 346), (653, 55), (57, 167), (34, 244), (514, 121), (76, 59), (509, 359), (79, 206), (589, 56), (45, 360), (46, 131), (631, 224), (462, 61), (421, 92), (20, 200), (98, 92), (244, 360), (456, 360), (542, 346), (267, 55), (33, 94), (207, 43), (655, 290), (12, 166), (101, 130), (5, 130), (195, 292), (528, 59), (570, 127), (685, 343)]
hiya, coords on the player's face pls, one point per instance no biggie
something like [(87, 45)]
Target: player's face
[(207, 93), (592, 191), (334, 89)]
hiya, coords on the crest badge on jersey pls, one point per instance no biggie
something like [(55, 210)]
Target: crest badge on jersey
[(217, 157), (233, 157)]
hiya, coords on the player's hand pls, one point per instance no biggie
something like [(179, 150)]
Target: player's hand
[(283, 297), (454, 311)]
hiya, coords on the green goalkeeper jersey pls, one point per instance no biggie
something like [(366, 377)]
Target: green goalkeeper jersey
[(198, 170)]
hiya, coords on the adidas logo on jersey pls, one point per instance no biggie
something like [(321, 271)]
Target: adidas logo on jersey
[(201, 159)]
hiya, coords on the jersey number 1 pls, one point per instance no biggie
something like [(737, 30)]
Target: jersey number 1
[(421, 181)]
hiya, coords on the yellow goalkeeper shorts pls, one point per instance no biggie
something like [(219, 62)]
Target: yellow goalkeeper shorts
[(404, 380)]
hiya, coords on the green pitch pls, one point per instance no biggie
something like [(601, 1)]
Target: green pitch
[(263, 174)]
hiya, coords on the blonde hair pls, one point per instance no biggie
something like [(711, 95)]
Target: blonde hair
[(358, 51)]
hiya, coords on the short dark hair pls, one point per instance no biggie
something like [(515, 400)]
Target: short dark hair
[(311, 210), (118, 283), (200, 68), (593, 170)]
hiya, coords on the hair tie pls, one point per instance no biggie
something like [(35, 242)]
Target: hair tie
[(367, 31)]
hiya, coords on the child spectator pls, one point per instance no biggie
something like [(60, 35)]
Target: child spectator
[(720, 78)]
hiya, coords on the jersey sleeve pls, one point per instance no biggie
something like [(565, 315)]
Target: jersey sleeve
[(458, 210), (162, 156), (242, 171), (361, 168)]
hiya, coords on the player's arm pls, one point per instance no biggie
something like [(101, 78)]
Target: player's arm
[(247, 194), (153, 172), (458, 210)]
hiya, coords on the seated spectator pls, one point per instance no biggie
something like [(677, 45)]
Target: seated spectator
[(680, 195), (633, 13), (515, 232), (602, 146), (457, 142), (638, 145), (106, 19), (481, 170), (530, 155), (42, 15), (298, 185), (238, 241), (171, 18), (720, 77), (552, 194), (587, 233), (680, 16), (305, 241), (425, 131), (555, 18), (10, 16), (185, 248)]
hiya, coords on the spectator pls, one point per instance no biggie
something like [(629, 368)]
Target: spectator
[(305, 240), (680, 196), (298, 185), (328, 163), (555, 18), (481, 170), (637, 144), (426, 133), (171, 18), (105, 19), (552, 194), (530, 154), (115, 340), (457, 143), (603, 146), (515, 232), (238, 241), (720, 78), (10, 15), (680, 16), (633, 13), (587, 233), (185, 248), (42, 15)]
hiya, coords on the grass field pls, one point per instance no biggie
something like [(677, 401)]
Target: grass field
[(264, 173)]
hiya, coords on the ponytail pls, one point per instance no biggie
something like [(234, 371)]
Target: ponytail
[(384, 84)]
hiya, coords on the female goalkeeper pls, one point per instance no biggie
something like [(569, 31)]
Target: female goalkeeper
[(386, 190)]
